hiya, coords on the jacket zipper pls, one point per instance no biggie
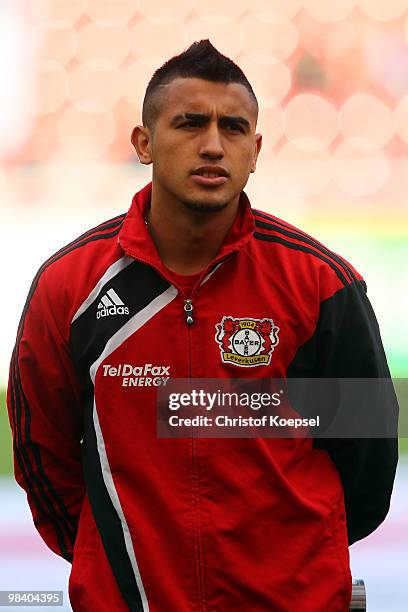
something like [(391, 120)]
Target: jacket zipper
[(188, 311), (189, 319), (188, 308)]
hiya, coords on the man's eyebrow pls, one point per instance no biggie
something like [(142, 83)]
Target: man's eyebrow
[(203, 118), (193, 116), (235, 119)]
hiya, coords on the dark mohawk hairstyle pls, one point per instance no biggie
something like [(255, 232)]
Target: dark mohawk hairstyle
[(201, 60)]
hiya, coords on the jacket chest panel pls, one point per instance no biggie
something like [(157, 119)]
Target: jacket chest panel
[(244, 330)]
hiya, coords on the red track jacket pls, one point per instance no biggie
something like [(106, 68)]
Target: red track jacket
[(192, 525)]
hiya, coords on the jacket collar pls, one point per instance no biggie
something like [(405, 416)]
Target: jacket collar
[(135, 240)]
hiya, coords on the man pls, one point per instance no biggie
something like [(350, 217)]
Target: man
[(187, 524)]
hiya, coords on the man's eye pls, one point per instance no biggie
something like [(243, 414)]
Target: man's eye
[(234, 127), (192, 124)]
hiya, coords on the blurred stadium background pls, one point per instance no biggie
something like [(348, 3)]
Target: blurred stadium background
[(332, 82)]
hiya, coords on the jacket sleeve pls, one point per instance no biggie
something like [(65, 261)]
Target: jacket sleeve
[(43, 400), (347, 344)]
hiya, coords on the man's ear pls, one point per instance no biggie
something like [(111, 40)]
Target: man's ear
[(141, 140), (258, 145)]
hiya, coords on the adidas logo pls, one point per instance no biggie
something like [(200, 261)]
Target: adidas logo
[(111, 304)]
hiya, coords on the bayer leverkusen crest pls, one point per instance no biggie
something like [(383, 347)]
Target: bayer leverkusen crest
[(246, 342)]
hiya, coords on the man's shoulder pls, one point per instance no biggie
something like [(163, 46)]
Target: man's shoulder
[(69, 273), (299, 248), (87, 245)]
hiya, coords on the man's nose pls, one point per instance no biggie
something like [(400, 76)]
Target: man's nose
[(211, 144)]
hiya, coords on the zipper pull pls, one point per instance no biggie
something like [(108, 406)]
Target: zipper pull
[(188, 309)]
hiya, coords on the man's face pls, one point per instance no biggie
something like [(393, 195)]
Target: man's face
[(203, 146)]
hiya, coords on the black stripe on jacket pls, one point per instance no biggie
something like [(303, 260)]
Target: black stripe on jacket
[(303, 249), (30, 476), (137, 285), (280, 227)]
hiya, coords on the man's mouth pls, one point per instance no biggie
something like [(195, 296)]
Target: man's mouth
[(210, 175)]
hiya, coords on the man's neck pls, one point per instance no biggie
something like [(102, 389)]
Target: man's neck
[(187, 241)]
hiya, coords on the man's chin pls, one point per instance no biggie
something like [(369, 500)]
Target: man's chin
[(204, 207)]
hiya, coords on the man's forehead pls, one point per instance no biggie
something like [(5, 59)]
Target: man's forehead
[(191, 95)]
